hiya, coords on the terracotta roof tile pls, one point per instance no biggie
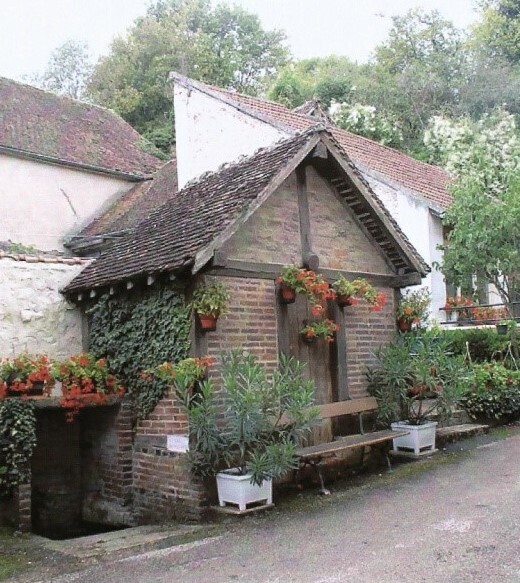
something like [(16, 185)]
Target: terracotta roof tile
[(136, 204), (426, 180), (173, 234), (42, 123)]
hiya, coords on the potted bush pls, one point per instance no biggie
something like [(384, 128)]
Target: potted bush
[(297, 280), (350, 293), (251, 439), (85, 380), (321, 329), (25, 375), (412, 308), (503, 326), (414, 378), (210, 302)]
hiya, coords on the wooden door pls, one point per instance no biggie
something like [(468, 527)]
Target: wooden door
[(319, 358)]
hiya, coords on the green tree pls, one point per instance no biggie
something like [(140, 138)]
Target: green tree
[(220, 45), (497, 35), (68, 70)]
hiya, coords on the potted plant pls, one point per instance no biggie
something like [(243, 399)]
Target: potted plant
[(210, 302), (25, 375), (85, 380), (324, 329), (298, 280), (503, 326), (412, 308), (350, 293), (248, 441), (414, 378)]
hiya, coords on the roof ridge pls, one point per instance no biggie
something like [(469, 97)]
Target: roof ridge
[(315, 129), (41, 258)]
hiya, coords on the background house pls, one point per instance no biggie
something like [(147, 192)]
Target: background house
[(214, 126), (62, 164)]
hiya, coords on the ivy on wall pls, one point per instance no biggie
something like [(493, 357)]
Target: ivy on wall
[(138, 333), (17, 442)]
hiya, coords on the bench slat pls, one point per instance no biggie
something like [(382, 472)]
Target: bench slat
[(348, 442), (349, 407)]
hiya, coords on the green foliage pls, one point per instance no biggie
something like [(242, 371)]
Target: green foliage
[(221, 45), (493, 393), (410, 369), (17, 442), (262, 421), (484, 344), (484, 238), (68, 70), (139, 333), (498, 34), (211, 300)]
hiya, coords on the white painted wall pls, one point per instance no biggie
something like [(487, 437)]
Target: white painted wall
[(41, 204), (34, 316), (423, 228), (210, 133)]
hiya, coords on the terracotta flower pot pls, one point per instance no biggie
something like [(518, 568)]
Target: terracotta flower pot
[(404, 325), (344, 300), (287, 295), (208, 323), (308, 339)]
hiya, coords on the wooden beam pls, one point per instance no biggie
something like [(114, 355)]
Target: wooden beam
[(129, 285), (112, 290), (235, 268), (337, 315), (303, 211), (150, 280), (93, 293)]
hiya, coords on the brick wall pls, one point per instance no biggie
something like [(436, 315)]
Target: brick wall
[(366, 331), (163, 485), (250, 323), (335, 236), (272, 233)]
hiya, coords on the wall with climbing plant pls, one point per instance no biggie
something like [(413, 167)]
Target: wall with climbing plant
[(137, 332)]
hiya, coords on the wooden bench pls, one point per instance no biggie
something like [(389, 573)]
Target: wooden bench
[(313, 455)]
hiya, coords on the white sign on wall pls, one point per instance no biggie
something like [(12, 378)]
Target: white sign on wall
[(178, 443)]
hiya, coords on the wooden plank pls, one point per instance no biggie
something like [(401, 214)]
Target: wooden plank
[(303, 210), (348, 442), (337, 315), (248, 269), (349, 407)]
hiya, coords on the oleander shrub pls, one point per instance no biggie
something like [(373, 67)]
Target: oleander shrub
[(493, 393)]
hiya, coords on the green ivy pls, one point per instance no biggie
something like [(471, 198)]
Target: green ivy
[(138, 333), (17, 442)]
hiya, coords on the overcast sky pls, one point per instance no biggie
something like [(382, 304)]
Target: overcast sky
[(31, 29)]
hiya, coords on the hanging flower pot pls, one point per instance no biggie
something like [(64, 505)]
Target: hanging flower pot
[(345, 300), (35, 390), (207, 322), (404, 325), (287, 295), (308, 338)]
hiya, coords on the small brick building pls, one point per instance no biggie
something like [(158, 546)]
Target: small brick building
[(301, 201)]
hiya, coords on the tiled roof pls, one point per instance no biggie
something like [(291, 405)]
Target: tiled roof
[(170, 238), (45, 124), (426, 180), (136, 204), (31, 258)]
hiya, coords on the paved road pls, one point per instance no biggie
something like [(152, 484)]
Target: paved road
[(455, 522)]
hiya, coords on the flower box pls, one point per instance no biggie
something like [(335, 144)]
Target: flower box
[(420, 439), (234, 488)]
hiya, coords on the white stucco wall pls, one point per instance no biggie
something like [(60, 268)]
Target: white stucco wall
[(34, 316), (209, 133), (423, 228), (41, 204)]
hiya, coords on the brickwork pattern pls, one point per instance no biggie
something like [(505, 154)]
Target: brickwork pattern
[(365, 332), (336, 238), (272, 233)]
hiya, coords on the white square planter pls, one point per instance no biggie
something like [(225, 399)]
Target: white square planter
[(420, 439), (235, 489)]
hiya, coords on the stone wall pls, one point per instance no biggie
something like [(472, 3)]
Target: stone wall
[(34, 316)]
